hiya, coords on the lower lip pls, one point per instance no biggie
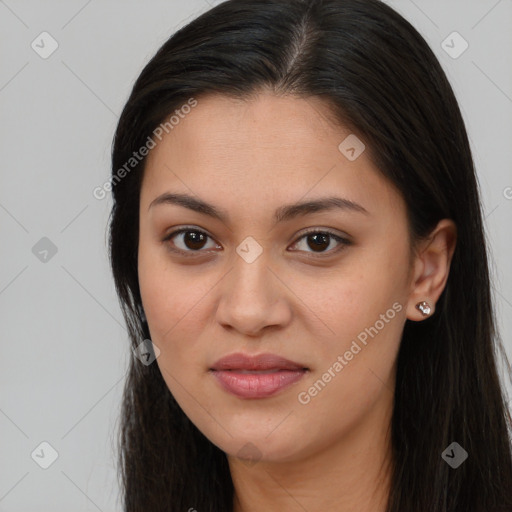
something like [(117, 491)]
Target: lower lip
[(257, 385)]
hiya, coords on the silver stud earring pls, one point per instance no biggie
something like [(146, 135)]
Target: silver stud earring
[(424, 307)]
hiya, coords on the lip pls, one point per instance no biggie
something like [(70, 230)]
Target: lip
[(257, 376)]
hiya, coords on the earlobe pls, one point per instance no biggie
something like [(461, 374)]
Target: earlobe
[(432, 268)]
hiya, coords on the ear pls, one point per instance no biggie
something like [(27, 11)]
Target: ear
[(431, 267)]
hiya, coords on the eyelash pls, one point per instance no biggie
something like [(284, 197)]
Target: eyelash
[(343, 241)]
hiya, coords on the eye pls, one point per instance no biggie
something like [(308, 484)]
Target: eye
[(320, 241), (192, 240), (189, 240)]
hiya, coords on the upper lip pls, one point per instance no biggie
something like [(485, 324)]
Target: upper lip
[(240, 361)]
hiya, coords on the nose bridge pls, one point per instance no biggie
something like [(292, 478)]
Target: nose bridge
[(250, 278), (250, 293)]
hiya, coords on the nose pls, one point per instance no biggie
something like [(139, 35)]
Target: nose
[(253, 299)]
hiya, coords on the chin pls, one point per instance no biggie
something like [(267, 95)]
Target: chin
[(259, 450), (253, 444)]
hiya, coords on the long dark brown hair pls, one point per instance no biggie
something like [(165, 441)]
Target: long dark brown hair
[(381, 79)]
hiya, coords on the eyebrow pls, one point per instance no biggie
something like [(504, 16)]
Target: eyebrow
[(283, 213)]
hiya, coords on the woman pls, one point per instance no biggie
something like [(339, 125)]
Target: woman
[(297, 229)]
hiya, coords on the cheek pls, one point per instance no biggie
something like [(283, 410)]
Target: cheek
[(173, 307), (363, 305), (361, 331), (355, 373), (164, 289), (343, 303), (175, 301)]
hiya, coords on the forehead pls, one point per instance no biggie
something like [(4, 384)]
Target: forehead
[(263, 121), (268, 147)]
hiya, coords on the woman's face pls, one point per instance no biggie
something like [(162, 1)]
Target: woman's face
[(252, 281)]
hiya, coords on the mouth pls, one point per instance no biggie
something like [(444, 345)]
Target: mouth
[(259, 376)]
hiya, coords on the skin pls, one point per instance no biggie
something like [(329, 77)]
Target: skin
[(249, 158)]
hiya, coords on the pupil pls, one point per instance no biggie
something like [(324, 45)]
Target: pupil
[(194, 240), (319, 240)]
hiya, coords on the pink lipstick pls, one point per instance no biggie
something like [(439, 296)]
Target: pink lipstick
[(257, 376)]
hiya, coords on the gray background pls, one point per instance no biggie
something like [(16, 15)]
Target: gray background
[(64, 346)]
